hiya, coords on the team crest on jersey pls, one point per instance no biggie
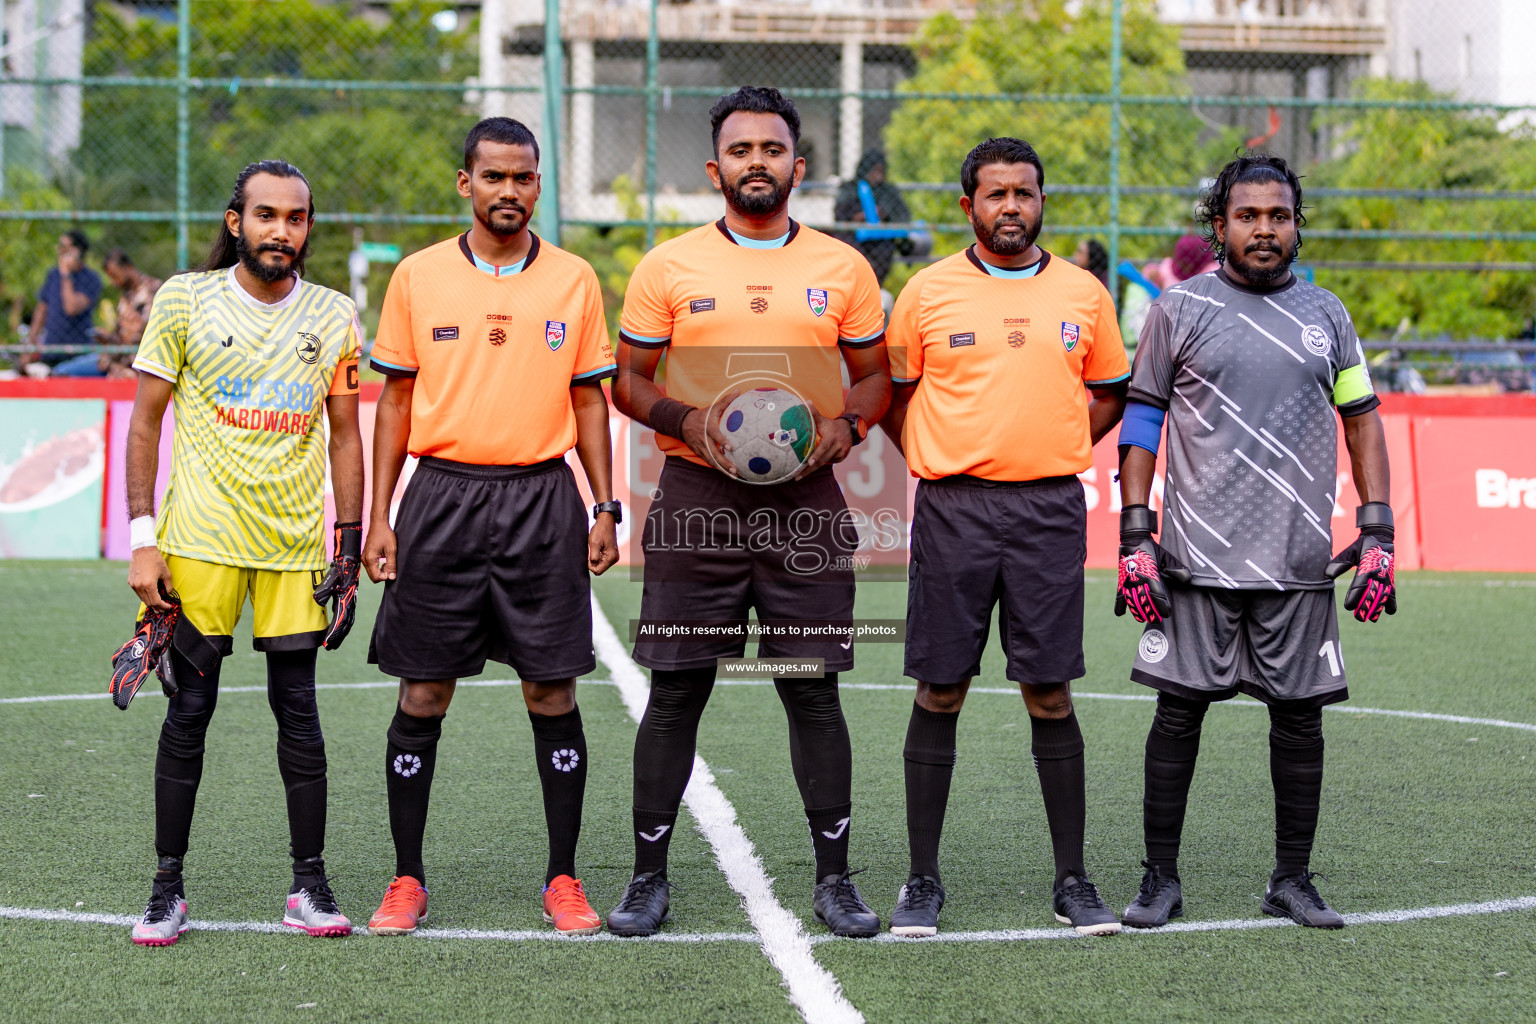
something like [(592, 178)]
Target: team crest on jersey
[(308, 347), (554, 334), (817, 297), (1153, 646), (1316, 339), (1069, 335)]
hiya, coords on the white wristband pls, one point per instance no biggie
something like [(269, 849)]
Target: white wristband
[(141, 532)]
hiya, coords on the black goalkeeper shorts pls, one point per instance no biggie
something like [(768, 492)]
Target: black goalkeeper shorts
[(491, 564)]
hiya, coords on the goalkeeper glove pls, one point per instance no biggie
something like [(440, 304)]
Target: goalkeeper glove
[(1374, 588), (148, 648), (1142, 567), (341, 581)]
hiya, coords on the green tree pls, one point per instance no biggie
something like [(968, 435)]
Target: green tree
[(27, 247), (1406, 148), (1052, 47)]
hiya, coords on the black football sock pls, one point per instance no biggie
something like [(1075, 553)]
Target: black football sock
[(1296, 769), (1173, 744), (821, 755), (409, 761), (664, 747), (179, 759), (1058, 749), (929, 756), (560, 747), (303, 768)]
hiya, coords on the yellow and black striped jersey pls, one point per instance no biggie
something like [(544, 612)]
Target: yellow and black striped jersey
[(247, 483)]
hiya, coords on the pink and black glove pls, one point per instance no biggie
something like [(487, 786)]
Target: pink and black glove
[(1143, 564), (1374, 588), (340, 582)]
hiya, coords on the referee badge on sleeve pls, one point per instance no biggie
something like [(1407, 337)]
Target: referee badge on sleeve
[(554, 334), (1069, 335)]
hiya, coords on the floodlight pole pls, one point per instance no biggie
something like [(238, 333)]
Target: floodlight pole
[(183, 119), (554, 93), (1115, 56)]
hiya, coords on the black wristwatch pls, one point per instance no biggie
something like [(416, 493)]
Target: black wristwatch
[(856, 422), (614, 507)]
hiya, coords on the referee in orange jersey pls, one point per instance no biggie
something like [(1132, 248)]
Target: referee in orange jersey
[(495, 349), (995, 352)]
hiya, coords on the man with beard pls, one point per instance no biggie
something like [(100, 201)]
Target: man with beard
[(250, 352), (754, 290), (1260, 362), (495, 350), (994, 353)]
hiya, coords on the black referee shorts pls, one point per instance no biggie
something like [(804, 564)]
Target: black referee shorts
[(491, 564), (716, 549), (977, 542)]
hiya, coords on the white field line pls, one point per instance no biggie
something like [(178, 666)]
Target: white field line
[(1343, 709), (682, 938), (813, 989)]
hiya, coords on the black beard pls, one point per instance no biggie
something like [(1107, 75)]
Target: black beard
[(266, 273), (1260, 276), (1005, 245), (519, 220), (756, 204)]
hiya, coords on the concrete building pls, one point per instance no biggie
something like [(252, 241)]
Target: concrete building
[(39, 125), (1477, 49)]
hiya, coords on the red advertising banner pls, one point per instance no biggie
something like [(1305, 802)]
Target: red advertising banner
[(1476, 482)]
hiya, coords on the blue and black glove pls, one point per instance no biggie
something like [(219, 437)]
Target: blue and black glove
[(1374, 588), (341, 582), (1143, 564)]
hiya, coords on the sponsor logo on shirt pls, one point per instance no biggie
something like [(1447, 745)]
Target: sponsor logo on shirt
[(498, 336), (554, 334), (1016, 339), (817, 298), (1316, 339), (961, 340), (1069, 335), (701, 305), (307, 346), (759, 305), (445, 334)]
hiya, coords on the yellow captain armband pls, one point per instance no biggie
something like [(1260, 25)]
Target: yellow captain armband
[(1353, 384)]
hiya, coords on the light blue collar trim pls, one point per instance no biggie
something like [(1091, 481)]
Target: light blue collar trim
[(1029, 271), (495, 271), (759, 243)]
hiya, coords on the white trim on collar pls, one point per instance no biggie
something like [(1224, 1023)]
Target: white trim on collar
[(255, 303)]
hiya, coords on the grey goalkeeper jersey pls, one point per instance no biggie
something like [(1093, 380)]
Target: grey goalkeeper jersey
[(1251, 381)]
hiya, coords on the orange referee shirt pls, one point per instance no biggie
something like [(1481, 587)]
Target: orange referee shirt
[(1001, 365), (494, 350), (735, 316)]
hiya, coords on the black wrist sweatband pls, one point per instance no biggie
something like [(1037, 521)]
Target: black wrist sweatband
[(1375, 518), (1138, 519), (667, 416), (349, 540)]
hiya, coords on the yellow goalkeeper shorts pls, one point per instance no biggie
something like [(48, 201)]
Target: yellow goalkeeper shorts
[(212, 597)]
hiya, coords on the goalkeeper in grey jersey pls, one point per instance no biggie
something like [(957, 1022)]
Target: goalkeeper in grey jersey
[(1249, 364)]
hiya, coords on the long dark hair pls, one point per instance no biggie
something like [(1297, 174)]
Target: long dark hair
[(225, 251), (1250, 168)]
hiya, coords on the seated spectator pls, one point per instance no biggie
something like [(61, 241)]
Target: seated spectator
[(136, 294), (66, 308)]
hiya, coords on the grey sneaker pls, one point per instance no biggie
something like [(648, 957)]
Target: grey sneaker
[(838, 905), (1160, 898), (1297, 898), (917, 907), (313, 908), (646, 906), (165, 918), (1077, 903)]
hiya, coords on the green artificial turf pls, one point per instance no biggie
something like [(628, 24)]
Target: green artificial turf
[(1415, 813)]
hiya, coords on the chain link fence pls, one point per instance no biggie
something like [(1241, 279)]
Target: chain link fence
[(1412, 122)]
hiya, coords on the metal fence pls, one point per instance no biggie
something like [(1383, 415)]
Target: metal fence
[(1408, 121)]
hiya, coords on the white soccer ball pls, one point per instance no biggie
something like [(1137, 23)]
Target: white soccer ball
[(772, 432)]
